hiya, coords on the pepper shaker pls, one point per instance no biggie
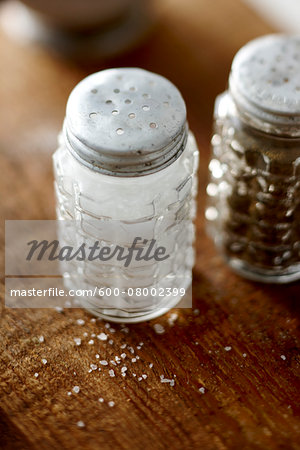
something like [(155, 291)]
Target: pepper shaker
[(126, 167), (253, 211)]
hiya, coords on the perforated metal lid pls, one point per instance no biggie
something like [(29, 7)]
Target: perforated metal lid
[(125, 122), (265, 83)]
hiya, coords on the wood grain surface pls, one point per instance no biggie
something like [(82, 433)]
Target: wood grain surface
[(240, 343)]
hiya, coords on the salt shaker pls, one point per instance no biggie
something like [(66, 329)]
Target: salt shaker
[(126, 168), (253, 211)]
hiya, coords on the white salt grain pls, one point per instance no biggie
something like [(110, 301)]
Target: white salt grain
[(167, 380), (102, 337), (101, 400), (133, 360), (172, 319), (93, 335), (77, 341), (85, 334), (91, 342), (111, 373), (140, 378), (41, 339), (44, 361), (36, 374), (93, 320), (124, 368), (159, 329), (76, 389), (97, 356), (123, 355), (125, 330), (144, 376), (111, 342), (80, 424), (227, 349), (103, 362), (93, 366), (69, 393), (111, 404), (123, 346), (151, 365), (244, 355), (283, 357), (202, 390), (80, 321)]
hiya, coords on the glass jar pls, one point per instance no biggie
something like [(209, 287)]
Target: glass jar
[(126, 168), (253, 211)]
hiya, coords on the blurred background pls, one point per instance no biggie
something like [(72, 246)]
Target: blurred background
[(283, 14)]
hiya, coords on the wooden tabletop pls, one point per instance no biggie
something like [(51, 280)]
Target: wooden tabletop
[(233, 358)]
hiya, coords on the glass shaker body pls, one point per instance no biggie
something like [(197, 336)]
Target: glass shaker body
[(253, 211), (115, 208)]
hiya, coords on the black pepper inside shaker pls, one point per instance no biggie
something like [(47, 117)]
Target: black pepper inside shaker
[(253, 210)]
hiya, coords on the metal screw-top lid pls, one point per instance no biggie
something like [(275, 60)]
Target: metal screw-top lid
[(125, 122), (265, 84)]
